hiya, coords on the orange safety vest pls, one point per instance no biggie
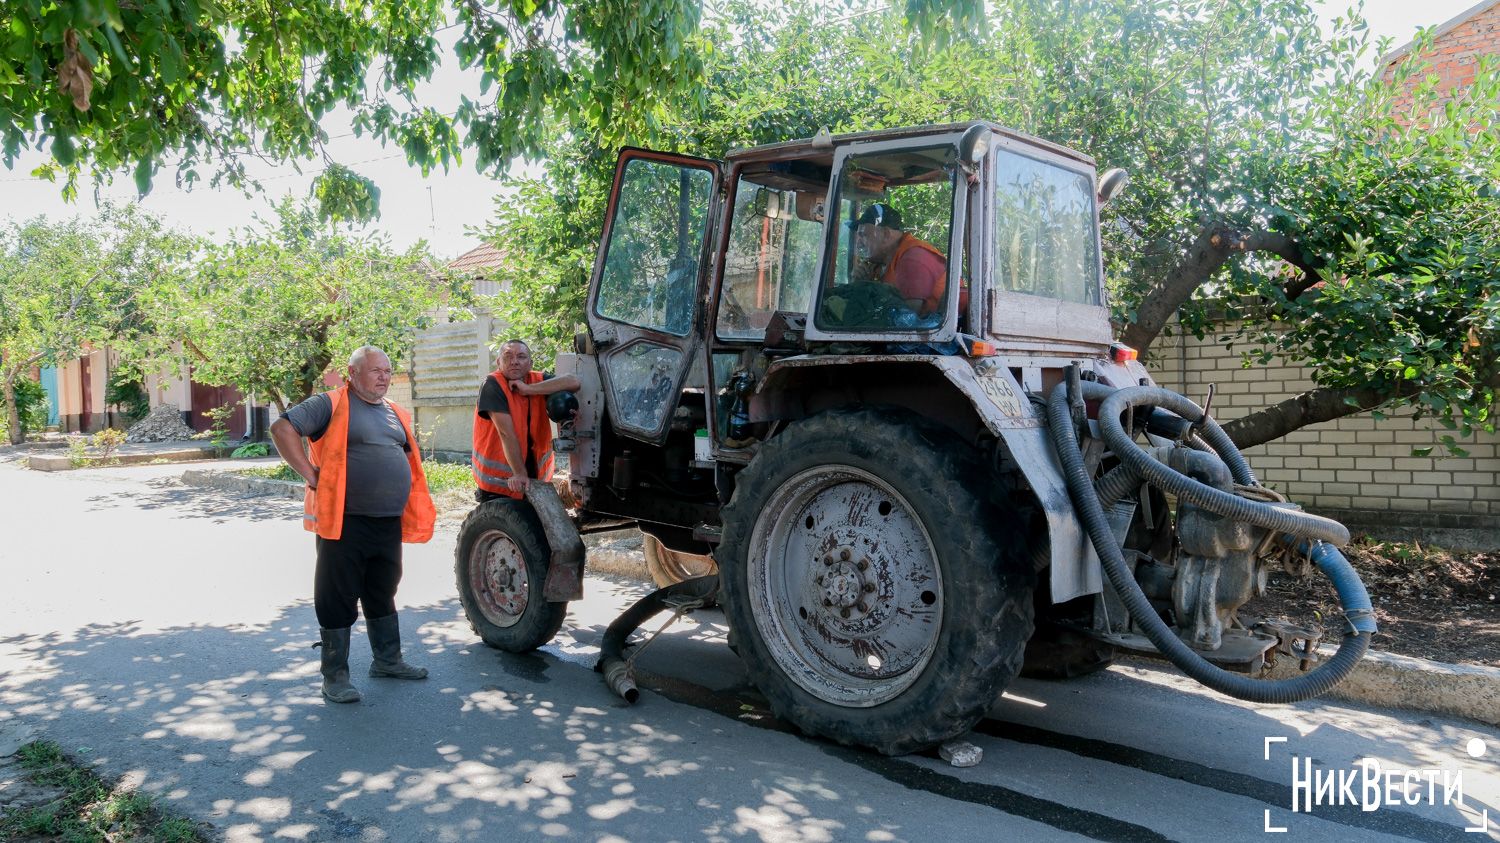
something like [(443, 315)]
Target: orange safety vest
[(932, 301), (323, 507), (533, 431)]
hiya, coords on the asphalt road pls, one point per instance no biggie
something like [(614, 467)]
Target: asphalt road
[(165, 633)]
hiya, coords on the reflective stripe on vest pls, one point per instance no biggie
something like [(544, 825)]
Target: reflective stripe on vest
[(533, 431)]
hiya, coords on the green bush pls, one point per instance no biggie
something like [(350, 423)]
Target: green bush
[(31, 405), (126, 392), (254, 449)]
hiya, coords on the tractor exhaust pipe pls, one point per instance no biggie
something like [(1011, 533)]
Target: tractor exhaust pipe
[(612, 661)]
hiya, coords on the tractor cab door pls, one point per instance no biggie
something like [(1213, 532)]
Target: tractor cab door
[(645, 296)]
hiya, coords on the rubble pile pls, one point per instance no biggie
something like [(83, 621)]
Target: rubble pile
[(163, 425)]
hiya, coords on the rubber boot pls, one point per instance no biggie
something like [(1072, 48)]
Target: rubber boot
[(385, 643), (336, 687)]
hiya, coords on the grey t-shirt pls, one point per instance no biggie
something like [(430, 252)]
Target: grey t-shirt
[(378, 481)]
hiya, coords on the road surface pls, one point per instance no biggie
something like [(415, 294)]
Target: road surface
[(165, 633)]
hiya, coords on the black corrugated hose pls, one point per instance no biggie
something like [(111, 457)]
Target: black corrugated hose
[(1351, 591)]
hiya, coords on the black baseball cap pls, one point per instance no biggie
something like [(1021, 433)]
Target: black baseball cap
[(880, 214)]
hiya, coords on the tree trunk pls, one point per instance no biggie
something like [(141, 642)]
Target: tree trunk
[(1311, 407), (12, 412)]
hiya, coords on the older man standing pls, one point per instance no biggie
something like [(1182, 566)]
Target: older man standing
[(366, 494)]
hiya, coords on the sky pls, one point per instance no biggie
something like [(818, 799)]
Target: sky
[(442, 207)]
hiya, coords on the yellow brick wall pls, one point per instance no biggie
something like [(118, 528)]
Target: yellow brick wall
[(1352, 464)]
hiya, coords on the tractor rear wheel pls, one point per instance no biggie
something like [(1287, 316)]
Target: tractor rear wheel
[(878, 596)]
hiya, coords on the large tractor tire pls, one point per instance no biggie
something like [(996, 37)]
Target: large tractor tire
[(878, 596), (500, 566), (670, 567)]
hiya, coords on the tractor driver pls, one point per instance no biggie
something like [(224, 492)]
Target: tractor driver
[(916, 268)]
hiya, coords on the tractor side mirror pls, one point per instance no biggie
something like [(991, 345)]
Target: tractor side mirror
[(1111, 183)]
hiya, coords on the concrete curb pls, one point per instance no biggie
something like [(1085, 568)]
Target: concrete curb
[(1387, 679), (231, 481), (1382, 679)]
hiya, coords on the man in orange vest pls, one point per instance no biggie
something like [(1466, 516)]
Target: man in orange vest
[(366, 494), (916, 268), (512, 426)]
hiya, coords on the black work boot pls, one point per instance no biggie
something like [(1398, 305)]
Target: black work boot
[(385, 643), (336, 687)]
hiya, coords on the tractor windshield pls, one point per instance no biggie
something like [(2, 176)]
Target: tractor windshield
[(1046, 241), (773, 251), (889, 262)]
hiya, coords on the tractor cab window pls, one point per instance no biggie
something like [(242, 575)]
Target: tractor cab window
[(894, 221), (650, 276), (1046, 241), (772, 256)]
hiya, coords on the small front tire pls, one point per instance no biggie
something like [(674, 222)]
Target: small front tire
[(501, 565)]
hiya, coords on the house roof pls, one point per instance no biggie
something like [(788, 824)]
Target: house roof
[(485, 256), (1443, 29)]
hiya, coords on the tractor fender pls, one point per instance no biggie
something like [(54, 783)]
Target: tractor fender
[(1001, 406)]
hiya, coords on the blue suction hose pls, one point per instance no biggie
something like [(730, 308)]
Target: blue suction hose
[(1308, 533)]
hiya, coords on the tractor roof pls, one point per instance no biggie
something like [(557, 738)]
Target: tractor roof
[(820, 148)]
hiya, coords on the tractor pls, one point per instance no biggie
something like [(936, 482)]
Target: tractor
[(902, 492)]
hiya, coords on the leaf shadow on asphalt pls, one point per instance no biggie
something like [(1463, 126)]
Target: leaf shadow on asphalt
[(226, 724), (183, 501)]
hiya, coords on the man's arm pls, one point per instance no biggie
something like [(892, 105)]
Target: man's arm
[(289, 444), (513, 453), (561, 383)]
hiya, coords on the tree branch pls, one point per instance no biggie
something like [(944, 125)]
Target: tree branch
[(1213, 247)]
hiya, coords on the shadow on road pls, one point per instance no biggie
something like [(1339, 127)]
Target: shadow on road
[(170, 495)]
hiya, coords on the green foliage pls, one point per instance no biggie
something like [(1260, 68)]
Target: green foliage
[(250, 450), (31, 404), (106, 442), (218, 429), (64, 285), (1237, 116), (272, 309), (89, 810), (126, 391)]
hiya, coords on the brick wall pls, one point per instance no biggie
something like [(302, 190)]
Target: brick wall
[(1357, 469), (1456, 49)]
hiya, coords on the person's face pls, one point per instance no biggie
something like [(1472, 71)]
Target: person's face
[(371, 377), (873, 242), (515, 361)]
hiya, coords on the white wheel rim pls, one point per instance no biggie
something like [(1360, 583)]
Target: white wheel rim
[(845, 586), (498, 578)]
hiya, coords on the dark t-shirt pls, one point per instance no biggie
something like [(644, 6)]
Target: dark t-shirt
[(492, 400), (378, 478)]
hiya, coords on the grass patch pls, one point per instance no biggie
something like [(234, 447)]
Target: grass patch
[(441, 476), (88, 809)]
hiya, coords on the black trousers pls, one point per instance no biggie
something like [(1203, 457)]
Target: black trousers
[(361, 567)]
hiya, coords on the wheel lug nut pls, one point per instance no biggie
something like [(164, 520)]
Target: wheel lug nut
[(820, 579), (863, 607), (864, 564), (869, 587), (827, 602), (828, 560), (844, 554), (844, 612)]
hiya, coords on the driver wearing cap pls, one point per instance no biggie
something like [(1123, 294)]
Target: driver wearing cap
[(916, 268)]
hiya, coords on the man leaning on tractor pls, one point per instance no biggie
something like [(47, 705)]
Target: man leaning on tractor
[(512, 423), (366, 494)]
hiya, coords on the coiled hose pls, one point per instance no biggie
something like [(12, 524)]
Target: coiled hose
[(1351, 591)]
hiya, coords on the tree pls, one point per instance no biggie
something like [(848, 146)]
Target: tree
[(271, 310), (1273, 178), (64, 285), (112, 86)]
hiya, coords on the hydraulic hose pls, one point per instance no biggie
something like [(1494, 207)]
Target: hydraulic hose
[(612, 662), (1214, 500), (1086, 501)]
